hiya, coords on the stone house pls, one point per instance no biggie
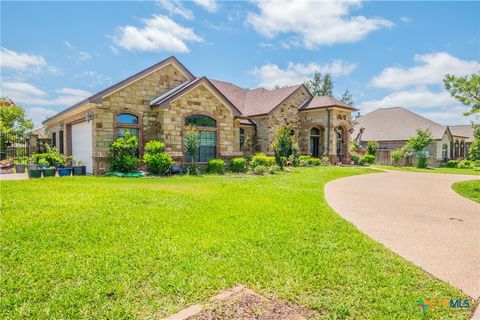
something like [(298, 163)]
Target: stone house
[(392, 127), (158, 102)]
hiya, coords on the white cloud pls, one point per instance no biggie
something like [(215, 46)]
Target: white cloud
[(81, 55), (26, 93), (159, 33), (405, 19), (175, 7), (38, 115), (96, 79), (270, 75), (20, 61), (315, 22), (209, 5), (432, 69), (449, 116)]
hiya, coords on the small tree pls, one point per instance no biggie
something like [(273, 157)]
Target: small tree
[(372, 147), (474, 150), (314, 85), (465, 89), (191, 141), (418, 144), (124, 153), (399, 154), (283, 144), (12, 123), (347, 98)]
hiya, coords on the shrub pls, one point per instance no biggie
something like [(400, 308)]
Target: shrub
[(154, 147), (123, 152), (398, 154), (451, 164), (422, 162), (261, 159), (356, 159), (465, 164), (325, 162), (274, 169), (238, 165), (369, 158), (293, 158), (309, 161), (158, 163), (216, 166), (260, 170), (372, 147), (191, 142), (156, 160), (283, 145)]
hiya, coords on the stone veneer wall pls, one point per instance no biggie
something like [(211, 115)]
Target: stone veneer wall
[(200, 101), (133, 98), (285, 114)]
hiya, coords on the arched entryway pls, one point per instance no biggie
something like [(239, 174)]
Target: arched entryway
[(317, 141)]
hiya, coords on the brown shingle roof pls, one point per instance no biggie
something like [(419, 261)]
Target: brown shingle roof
[(462, 131), (395, 124), (254, 102), (325, 101)]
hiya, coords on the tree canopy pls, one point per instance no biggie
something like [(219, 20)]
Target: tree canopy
[(465, 89), (12, 118), (323, 85)]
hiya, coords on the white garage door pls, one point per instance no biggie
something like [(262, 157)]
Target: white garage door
[(82, 148)]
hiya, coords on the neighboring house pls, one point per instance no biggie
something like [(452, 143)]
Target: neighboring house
[(158, 102), (392, 127)]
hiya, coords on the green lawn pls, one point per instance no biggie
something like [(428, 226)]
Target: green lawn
[(432, 170), (468, 189), (88, 247)]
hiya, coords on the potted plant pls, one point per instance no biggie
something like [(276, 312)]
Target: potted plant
[(20, 164), (34, 173), (79, 169), (65, 168), (43, 163), (32, 163), (49, 172)]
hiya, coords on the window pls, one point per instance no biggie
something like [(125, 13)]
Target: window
[(207, 129), (201, 121), (340, 142), (127, 122), (242, 138), (445, 152), (60, 142), (462, 149), (54, 139), (315, 142)]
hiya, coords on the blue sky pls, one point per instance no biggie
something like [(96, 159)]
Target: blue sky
[(386, 53)]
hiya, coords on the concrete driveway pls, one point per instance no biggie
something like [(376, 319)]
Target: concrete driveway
[(418, 216)]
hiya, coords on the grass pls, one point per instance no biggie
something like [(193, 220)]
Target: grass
[(468, 189), (90, 247), (433, 170)]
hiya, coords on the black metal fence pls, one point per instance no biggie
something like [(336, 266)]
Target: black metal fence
[(13, 146)]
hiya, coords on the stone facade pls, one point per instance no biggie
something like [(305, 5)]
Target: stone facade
[(166, 121)]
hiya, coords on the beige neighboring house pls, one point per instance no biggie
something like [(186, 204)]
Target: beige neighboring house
[(391, 128), (158, 102)]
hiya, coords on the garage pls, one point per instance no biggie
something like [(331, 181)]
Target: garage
[(82, 147)]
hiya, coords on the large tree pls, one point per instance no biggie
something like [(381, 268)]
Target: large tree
[(13, 124), (466, 89), (323, 85)]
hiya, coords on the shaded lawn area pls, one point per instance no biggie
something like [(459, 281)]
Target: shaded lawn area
[(468, 189), (432, 170), (90, 247)]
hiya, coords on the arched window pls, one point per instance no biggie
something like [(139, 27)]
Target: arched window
[(127, 122), (207, 129), (242, 138)]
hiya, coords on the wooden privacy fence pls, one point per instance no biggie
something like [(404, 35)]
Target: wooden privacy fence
[(384, 157)]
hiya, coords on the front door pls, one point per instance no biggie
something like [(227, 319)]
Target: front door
[(314, 150)]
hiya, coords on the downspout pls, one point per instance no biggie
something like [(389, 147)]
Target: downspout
[(328, 132)]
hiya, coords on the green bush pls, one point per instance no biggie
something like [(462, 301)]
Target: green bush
[(356, 159), (325, 162), (422, 162), (465, 164), (158, 163), (451, 164), (369, 159), (261, 159), (238, 165), (260, 169), (372, 147), (398, 154), (216, 166), (293, 158), (274, 169), (155, 159), (309, 161), (123, 154), (154, 147)]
